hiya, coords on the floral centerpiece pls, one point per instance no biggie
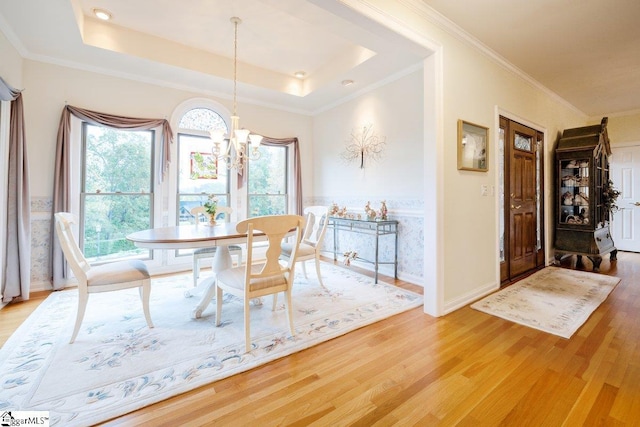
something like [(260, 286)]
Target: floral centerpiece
[(211, 206)]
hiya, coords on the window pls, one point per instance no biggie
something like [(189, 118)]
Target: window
[(116, 191), (199, 172), (267, 189)]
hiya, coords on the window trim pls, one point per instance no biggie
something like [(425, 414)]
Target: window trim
[(83, 177), (75, 181)]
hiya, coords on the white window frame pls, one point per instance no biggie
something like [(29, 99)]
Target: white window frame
[(75, 183)]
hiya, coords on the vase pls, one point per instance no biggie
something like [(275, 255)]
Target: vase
[(212, 220)]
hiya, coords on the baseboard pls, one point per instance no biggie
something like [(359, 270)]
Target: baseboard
[(388, 271), (470, 297), (41, 286), (414, 280)]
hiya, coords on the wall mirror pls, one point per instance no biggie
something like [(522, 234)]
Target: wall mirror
[(473, 147)]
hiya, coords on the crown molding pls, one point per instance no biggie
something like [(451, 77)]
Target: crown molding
[(431, 15)]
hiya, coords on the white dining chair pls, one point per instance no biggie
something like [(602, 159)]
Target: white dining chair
[(112, 276), (201, 217), (269, 277), (316, 220)]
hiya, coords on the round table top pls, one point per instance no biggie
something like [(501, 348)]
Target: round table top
[(187, 236)]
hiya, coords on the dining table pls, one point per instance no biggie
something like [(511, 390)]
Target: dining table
[(196, 236)]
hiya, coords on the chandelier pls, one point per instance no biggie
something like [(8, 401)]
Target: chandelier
[(238, 140)]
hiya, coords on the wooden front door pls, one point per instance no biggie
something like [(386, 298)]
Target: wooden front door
[(522, 209)]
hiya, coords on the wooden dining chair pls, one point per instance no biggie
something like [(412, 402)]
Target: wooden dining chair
[(268, 277), (316, 220), (199, 212), (112, 276)]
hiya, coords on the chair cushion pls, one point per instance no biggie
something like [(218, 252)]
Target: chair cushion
[(303, 250), (234, 277), (117, 272), (212, 250)]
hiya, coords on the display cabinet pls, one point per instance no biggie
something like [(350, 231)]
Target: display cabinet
[(582, 169)]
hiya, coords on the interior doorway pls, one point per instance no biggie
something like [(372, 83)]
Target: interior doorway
[(625, 174), (521, 201)]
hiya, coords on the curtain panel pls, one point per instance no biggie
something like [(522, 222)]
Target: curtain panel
[(61, 191), (17, 263)]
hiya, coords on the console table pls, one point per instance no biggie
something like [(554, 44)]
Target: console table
[(372, 228)]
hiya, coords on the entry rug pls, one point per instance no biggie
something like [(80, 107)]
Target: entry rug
[(554, 300), (118, 365)]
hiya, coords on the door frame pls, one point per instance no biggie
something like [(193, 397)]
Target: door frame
[(541, 260)]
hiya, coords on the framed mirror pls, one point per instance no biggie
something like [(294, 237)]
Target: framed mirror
[(473, 147)]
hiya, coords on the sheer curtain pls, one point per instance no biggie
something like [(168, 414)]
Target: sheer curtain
[(297, 173), (61, 202), (17, 274)]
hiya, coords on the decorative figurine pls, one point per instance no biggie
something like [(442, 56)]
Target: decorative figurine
[(371, 214), (383, 210)]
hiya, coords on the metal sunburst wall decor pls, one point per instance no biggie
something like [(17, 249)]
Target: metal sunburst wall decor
[(364, 144)]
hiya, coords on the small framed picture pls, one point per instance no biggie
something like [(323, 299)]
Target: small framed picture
[(203, 166), (473, 147)]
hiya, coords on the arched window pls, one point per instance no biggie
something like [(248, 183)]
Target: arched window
[(202, 119), (265, 187), (199, 173)]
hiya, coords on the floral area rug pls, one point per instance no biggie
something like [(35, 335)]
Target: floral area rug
[(554, 300), (117, 364)]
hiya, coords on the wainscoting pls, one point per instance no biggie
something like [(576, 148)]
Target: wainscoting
[(409, 214), (410, 217)]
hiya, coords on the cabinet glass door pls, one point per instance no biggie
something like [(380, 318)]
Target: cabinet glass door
[(574, 192)]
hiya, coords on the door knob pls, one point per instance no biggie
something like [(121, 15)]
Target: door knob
[(636, 204), (516, 207)]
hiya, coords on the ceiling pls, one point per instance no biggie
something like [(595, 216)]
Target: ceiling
[(586, 51)]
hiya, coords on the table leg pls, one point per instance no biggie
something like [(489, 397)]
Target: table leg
[(376, 258), (221, 261)]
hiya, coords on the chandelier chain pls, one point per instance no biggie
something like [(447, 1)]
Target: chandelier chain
[(235, 66)]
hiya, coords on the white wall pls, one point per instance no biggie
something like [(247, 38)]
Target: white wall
[(395, 110), (396, 113), (10, 63)]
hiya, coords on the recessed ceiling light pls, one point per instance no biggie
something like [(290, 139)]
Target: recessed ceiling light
[(300, 74), (347, 82), (105, 15)]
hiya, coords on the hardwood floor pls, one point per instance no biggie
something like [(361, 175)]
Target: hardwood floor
[(466, 368)]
